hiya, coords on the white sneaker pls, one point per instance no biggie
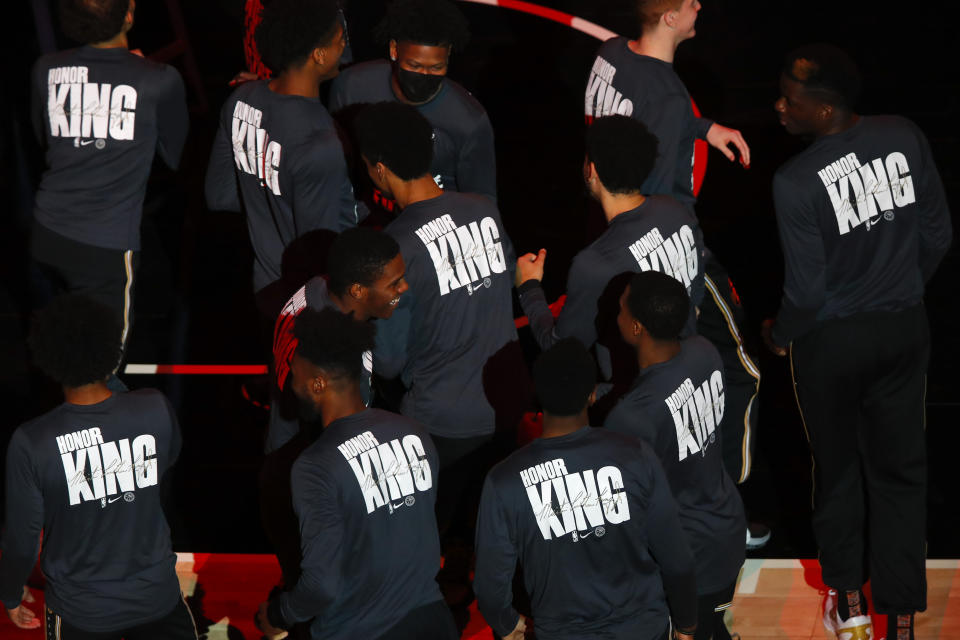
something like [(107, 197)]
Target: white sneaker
[(757, 535), (853, 628)]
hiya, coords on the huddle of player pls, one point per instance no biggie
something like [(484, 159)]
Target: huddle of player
[(631, 530)]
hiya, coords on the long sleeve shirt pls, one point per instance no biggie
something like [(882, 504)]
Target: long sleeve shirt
[(863, 221), (102, 115), (649, 90), (660, 235), (278, 158), (676, 407), (364, 494), (590, 517), (89, 476), (457, 317)]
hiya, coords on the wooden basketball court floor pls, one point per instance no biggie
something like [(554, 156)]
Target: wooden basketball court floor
[(775, 599)]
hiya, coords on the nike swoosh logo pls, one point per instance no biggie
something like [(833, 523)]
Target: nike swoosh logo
[(112, 500), (397, 506), (84, 143), (584, 535)]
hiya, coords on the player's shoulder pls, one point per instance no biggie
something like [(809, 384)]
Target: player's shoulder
[(665, 204), (612, 47), (395, 422), (635, 402), (64, 58), (359, 77), (699, 346), (472, 201), (467, 107), (143, 402)]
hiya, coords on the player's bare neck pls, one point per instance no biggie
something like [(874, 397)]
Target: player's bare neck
[(118, 41), (341, 405), (348, 305), (840, 124), (615, 204), (416, 190), (296, 82), (87, 394), (651, 352), (655, 44), (556, 426)]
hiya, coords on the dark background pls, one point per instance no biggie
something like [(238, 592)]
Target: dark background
[(194, 301)]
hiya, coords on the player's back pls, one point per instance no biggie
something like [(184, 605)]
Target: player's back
[(459, 264), (102, 114), (106, 551), (593, 524)]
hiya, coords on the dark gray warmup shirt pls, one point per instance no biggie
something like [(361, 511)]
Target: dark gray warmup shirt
[(649, 90), (592, 521), (314, 295), (660, 235), (676, 407), (102, 114), (463, 153), (279, 158), (863, 223), (364, 494), (457, 313), (88, 476)]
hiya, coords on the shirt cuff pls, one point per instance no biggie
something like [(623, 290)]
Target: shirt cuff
[(528, 286), (274, 617)]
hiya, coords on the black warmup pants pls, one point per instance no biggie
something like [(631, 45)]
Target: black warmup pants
[(720, 318), (105, 275), (860, 384), (176, 625), (429, 622), (710, 610)]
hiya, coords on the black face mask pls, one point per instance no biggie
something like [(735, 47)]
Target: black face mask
[(418, 87)]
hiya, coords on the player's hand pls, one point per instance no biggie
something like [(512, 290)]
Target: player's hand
[(766, 331), (518, 631), (243, 76), (721, 138), (530, 267), (263, 623), (23, 617)]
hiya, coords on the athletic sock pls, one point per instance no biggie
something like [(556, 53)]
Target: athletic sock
[(850, 604), (900, 627)]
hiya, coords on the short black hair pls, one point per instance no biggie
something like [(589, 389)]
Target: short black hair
[(359, 255), (624, 152), (291, 29), (826, 71), (90, 21), (75, 340), (436, 23), (660, 303), (564, 376), (397, 135), (333, 341)]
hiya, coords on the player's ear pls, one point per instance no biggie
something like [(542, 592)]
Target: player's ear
[(669, 18), (393, 50), (357, 291), (318, 385), (592, 398), (128, 19)]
